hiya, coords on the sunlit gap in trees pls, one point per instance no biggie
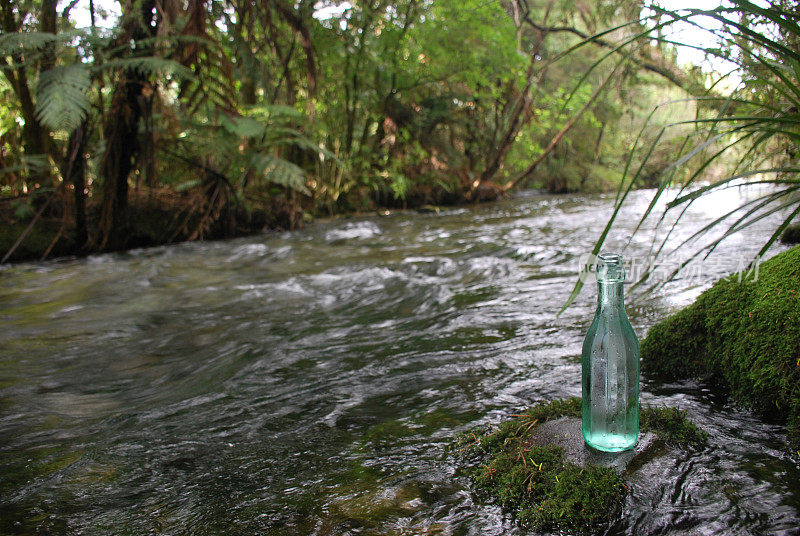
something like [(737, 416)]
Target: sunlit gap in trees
[(326, 10), (106, 13), (694, 39)]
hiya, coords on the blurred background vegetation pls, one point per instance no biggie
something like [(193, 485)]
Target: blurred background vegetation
[(139, 122)]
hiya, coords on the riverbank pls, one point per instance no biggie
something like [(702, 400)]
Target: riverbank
[(155, 218)]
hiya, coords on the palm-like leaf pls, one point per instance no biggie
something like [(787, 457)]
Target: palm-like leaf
[(245, 127)]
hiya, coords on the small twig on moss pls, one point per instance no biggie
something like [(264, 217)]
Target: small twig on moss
[(489, 470), (477, 440), (530, 425)]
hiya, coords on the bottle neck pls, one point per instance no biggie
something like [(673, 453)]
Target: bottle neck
[(610, 295)]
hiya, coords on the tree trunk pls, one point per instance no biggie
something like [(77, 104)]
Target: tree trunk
[(512, 183), (35, 138), (48, 23), (75, 172), (121, 132)]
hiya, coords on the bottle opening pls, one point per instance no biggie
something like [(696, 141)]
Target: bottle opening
[(610, 267)]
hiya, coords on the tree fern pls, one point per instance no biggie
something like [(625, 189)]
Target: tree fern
[(16, 43), (306, 144), (29, 164), (274, 111), (62, 99)]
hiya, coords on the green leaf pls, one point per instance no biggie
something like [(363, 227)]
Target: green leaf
[(62, 99), (22, 210), (187, 185), (274, 111)]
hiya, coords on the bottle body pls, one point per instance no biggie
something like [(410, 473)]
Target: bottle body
[(610, 367)]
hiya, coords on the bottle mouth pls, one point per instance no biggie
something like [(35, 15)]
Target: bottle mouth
[(610, 267)]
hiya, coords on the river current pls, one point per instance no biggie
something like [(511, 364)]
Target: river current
[(309, 382)]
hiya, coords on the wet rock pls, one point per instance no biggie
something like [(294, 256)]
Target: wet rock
[(377, 504), (565, 433), (428, 209)]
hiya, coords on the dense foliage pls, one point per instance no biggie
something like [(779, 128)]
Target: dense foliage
[(185, 120)]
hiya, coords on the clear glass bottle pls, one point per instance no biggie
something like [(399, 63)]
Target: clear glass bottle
[(610, 366)]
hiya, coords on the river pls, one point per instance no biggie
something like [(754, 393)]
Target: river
[(309, 382)]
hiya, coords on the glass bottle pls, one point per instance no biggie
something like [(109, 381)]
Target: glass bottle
[(610, 366)]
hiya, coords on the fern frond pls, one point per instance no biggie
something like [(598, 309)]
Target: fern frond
[(306, 144), (148, 65), (274, 111), (37, 164), (279, 171), (62, 99), (158, 42), (30, 164), (245, 127), (16, 43)]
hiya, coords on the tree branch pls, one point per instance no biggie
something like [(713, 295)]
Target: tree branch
[(674, 75), (561, 133)]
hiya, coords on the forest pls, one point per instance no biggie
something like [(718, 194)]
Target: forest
[(153, 121), (410, 268)]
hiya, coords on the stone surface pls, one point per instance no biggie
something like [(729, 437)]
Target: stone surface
[(565, 432)]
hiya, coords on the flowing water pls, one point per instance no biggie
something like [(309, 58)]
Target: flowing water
[(309, 382)]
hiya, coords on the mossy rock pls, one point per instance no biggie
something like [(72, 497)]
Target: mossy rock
[(791, 235), (672, 426), (743, 335), (537, 467)]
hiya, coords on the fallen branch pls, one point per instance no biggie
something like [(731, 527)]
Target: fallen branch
[(27, 230)]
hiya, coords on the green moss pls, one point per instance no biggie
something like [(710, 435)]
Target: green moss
[(683, 335), (671, 426), (742, 334), (545, 491), (535, 482), (516, 428)]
